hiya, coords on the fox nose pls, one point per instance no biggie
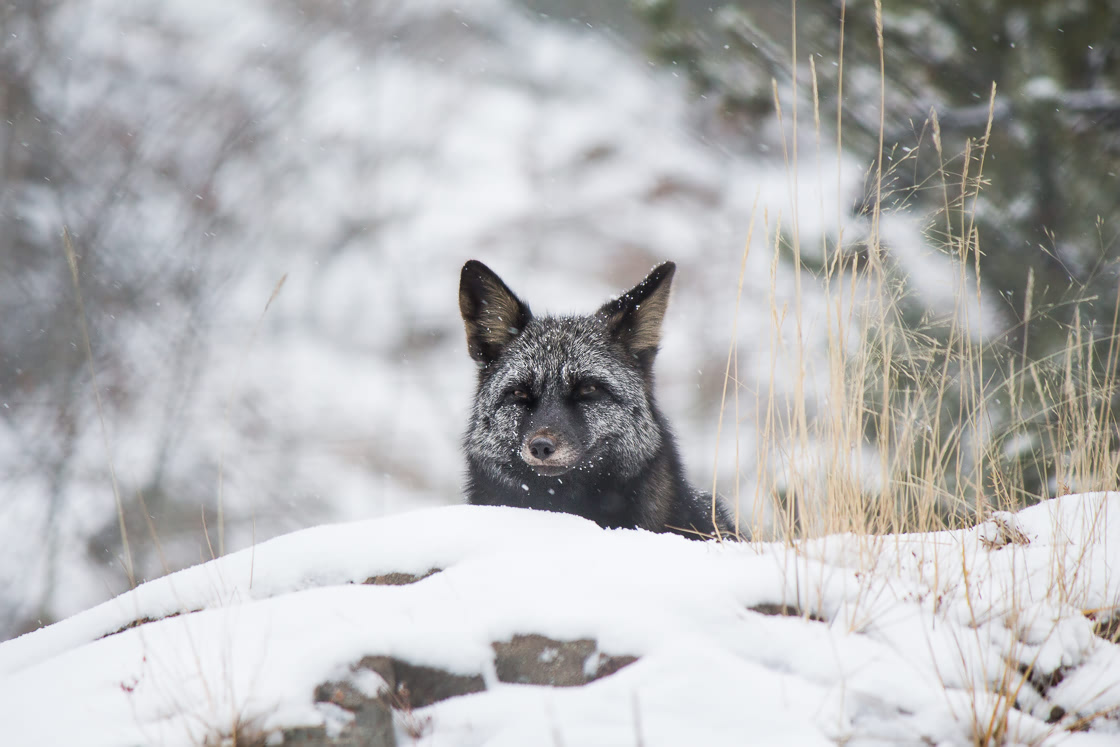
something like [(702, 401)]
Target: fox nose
[(542, 447)]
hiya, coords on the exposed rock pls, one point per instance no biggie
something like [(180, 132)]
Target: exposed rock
[(399, 579), (144, 621), (786, 610), (373, 718), (537, 660), (420, 686), (526, 659)]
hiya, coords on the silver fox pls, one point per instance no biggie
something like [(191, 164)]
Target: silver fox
[(564, 417)]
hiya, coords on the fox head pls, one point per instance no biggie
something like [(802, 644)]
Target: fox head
[(560, 396)]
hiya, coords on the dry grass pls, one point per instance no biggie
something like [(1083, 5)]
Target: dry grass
[(917, 426), (240, 732)]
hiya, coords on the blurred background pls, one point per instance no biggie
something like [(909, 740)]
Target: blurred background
[(201, 152)]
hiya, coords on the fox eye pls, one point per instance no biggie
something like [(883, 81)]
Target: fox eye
[(518, 396), (587, 390)]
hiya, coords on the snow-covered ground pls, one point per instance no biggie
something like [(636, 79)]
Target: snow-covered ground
[(909, 639)]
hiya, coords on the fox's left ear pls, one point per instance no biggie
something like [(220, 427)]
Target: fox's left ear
[(634, 318)]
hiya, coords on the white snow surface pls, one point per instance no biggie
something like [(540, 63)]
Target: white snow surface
[(906, 639)]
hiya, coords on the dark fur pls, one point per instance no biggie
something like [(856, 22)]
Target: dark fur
[(564, 417)]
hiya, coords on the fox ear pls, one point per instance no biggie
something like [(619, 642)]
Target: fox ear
[(635, 317), (493, 315)]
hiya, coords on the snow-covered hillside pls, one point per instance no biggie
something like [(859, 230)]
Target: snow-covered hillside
[(1002, 629)]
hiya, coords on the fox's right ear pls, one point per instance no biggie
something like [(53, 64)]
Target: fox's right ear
[(634, 318), (492, 314)]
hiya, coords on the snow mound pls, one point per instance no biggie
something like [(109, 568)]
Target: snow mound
[(920, 638)]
